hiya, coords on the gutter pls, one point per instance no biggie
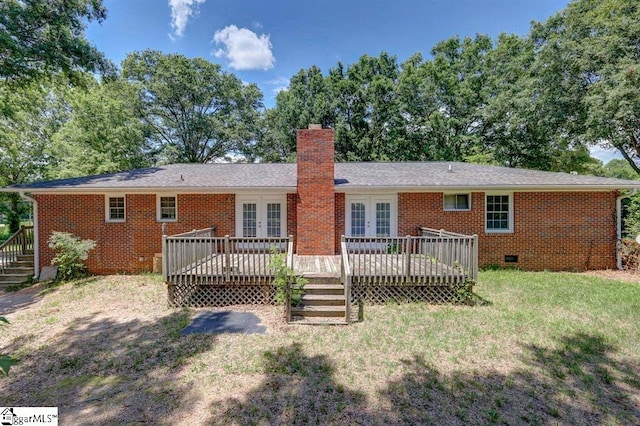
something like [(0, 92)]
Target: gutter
[(36, 233), (619, 225)]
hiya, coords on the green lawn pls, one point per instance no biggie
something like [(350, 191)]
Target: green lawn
[(539, 348)]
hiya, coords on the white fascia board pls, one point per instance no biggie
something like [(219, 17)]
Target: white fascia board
[(527, 188)]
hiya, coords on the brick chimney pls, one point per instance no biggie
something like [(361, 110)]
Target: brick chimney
[(316, 198)]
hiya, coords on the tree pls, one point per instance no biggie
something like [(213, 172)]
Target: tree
[(198, 113), (588, 63), (307, 100), (45, 37), (104, 133), (37, 112)]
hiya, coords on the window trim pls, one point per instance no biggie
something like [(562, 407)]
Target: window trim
[(159, 217), (107, 208), (444, 204), (510, 228)]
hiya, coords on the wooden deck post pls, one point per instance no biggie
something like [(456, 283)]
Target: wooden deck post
[(226, 266), (165, 274), (407, 254)]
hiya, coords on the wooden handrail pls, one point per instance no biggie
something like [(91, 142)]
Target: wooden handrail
[(443, 259), (221, 260), (346, 279), (17, 244), (205, 232)]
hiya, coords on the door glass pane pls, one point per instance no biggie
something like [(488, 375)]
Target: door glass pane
[(249, 220), (274, 219), (358, 220), (383, 219)]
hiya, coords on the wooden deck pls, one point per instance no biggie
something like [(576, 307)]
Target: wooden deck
[(326, 266), (374, 268), (389, 269)]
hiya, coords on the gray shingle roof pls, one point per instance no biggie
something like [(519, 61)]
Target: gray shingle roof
[(407, 176)]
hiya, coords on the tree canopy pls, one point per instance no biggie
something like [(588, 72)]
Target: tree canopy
[(197, 112), (45, 37)]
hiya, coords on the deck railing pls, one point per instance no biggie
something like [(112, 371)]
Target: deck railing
[(21, 242), (445, 258), (346, 279), (453, 248), (194, 258)]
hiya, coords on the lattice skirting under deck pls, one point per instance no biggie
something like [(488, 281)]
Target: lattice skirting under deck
[(367, 294), (201, 296), (404, 294)]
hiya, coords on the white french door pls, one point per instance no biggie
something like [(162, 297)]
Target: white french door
[(261, 217), (371, 216)]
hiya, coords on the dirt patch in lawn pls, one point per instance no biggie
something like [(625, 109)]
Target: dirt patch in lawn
[(616, 275), (108, 350)]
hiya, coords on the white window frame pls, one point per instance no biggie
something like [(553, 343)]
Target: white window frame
[(509, 230), (107, 208), (159, 217), (370, 201), (456, 209), (261, 202)]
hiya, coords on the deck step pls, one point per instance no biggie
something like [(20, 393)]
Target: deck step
[(321, 279), (19, 270), (15, 278), (324, 289), (323, 299), (298, 320), (318, 311)]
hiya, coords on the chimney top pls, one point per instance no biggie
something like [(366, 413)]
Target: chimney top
[(315, 126)]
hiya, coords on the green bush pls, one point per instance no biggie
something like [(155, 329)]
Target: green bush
[(71, 254), (284, 275)]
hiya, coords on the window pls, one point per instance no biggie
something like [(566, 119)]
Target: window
[(167, 208), (457, 202), (499, 213), (115, 209)]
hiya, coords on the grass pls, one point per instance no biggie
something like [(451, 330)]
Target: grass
[(542, 348)]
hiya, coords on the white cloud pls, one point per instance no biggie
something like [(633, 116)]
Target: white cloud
[(181, 10), (244, 49), (279, 84)]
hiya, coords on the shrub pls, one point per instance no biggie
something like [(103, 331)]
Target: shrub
[(71, 254), (284, 275)]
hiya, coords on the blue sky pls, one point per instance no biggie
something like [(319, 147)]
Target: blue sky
[(268, 41)]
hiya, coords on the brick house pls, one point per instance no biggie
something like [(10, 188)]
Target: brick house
[(530, 219)]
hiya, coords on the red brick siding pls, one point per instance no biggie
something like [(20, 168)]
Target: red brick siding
[(552, 230), (316, 199), (292, 214), (128, 246)]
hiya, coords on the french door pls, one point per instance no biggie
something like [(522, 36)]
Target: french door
[(261, 217), (371, 216)]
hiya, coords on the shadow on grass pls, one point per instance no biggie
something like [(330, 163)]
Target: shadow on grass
[(579, 381), (297, 390), (102, 370)]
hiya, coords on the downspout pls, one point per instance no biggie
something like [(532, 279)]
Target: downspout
[(36, 245), (619, 226)]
